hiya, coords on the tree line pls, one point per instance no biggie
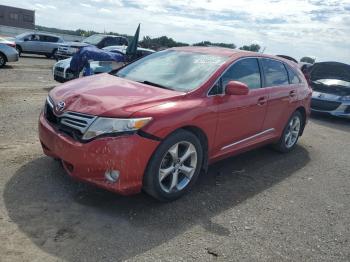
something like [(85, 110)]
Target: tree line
[(156, 43)]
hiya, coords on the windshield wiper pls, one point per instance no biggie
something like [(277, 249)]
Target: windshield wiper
[(155, 84)]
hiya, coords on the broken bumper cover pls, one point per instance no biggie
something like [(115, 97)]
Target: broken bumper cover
[(330, 104), (129, 154)]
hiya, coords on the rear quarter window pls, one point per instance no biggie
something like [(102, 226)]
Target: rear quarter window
[(293, 77)]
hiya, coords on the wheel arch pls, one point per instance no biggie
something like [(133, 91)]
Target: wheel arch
[(302, 111), (198, 132), (1, 53)]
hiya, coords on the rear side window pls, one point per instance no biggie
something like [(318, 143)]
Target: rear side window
[(293, 77), (246, 71), (111, 41), (275, 73), (114, 41), (48, 38)]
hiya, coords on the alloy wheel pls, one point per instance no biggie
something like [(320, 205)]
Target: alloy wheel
[(292, 133), (2, 60), (177, 167)]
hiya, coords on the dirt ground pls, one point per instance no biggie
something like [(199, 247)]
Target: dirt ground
[(259, 206)]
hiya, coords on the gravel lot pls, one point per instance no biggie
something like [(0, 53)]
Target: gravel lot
[(261, 205)]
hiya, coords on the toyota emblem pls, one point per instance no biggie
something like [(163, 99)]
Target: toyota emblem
[(60, 106)]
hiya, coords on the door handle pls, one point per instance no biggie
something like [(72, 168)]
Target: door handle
[(262, 100), (292, 93)]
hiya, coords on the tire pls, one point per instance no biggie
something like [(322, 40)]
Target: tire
[(3, 60), (53, 54), (290, 133), (19, 50), (168, 163)]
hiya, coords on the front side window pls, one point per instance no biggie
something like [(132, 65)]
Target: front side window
[(246, 71), (33, 38), (178, 70), (293, 77), (275, 73)]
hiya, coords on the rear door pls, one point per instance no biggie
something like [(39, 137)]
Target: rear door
[(283, 96), (241, 117), (49, 43)]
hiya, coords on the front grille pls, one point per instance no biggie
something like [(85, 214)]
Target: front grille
[(324, 105), (59, 69), (71, 123)]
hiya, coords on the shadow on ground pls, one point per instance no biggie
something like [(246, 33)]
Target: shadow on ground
[(35, 56), (7, 66), (76, 222), (331, 121)]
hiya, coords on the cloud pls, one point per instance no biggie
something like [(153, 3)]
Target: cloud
[(86, 5), (105, 10), (297, 28)]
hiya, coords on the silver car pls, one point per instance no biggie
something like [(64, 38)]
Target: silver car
[(7, 54), (330, 82), (38, 43)]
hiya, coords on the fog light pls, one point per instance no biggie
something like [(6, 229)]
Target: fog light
[(112, 175)]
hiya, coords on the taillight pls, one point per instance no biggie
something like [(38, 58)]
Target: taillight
[(12, 45)]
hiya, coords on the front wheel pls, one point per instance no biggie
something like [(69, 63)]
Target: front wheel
[(2, 60), (290, 133), (174, 167)]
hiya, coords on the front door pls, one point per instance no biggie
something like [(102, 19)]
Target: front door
[(30, 43), (241, 117)]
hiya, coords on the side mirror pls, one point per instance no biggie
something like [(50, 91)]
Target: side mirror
[(236, 88), (26, 39)]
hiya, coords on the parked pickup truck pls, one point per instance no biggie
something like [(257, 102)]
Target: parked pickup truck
[(67, 49)]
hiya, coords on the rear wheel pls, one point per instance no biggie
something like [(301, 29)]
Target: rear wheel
[(174, 167), (291, 133), (2, 60)]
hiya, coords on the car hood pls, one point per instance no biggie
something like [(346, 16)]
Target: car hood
[(74, 44), (330, 70), (65, 63), (109, 96)]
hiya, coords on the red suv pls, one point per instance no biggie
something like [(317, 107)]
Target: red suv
[(156, 123)]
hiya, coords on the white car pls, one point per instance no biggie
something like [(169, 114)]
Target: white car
[(62, 72)]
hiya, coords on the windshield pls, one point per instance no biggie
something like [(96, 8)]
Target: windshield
[(176, 70), (93, 40)]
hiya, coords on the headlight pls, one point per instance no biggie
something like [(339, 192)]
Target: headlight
[(103, 125), (73, 50)]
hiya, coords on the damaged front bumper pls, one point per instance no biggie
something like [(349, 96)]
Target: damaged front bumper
[(330, 104), (129, 154)]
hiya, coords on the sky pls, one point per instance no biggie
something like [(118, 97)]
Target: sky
[(318, 28)]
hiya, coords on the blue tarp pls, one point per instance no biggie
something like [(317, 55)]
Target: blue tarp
[(80, 59)]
